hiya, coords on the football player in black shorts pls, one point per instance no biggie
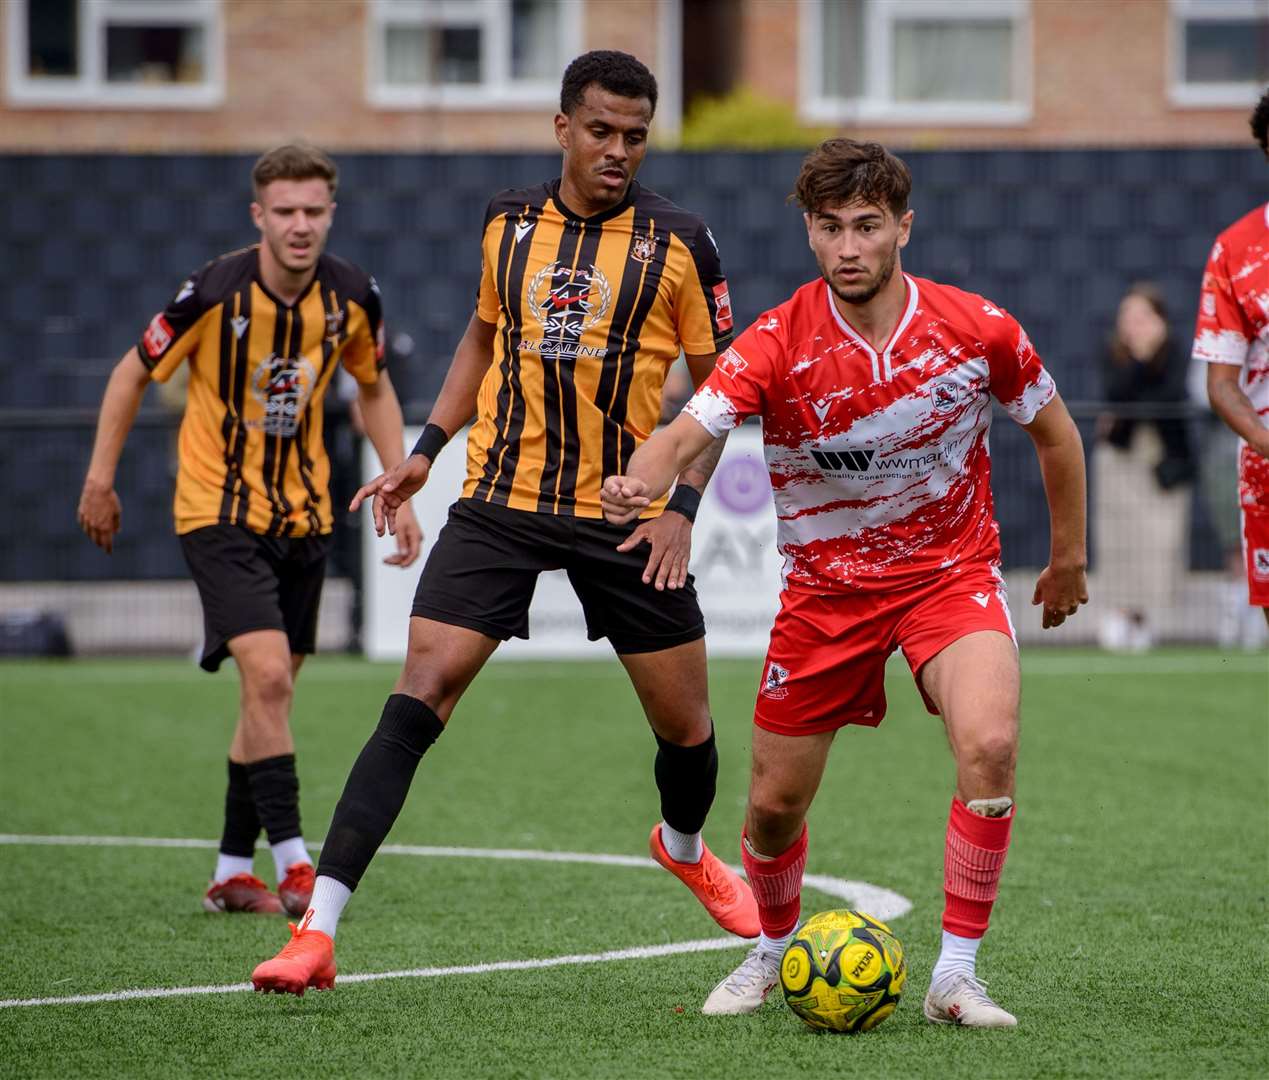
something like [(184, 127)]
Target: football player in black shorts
[(591, 287), (264, 330)]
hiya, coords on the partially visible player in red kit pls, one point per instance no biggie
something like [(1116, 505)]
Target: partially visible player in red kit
[(875, 392), (1230, 338)]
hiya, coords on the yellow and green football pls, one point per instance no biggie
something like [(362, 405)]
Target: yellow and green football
[(843, 971)]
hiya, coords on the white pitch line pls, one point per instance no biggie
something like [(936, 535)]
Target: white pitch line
[(879, 902), (641, 952)]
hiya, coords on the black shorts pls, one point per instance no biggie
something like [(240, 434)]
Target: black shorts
[(485, 563), (253, 582)]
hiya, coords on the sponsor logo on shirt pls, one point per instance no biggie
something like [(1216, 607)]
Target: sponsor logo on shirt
[(566, 302), (731, 363), (158, 336), (283, 385), (722, 306)]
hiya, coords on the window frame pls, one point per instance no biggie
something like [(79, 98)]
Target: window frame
[(90, 89), (496, 86), (1186, 95), (876, 104)]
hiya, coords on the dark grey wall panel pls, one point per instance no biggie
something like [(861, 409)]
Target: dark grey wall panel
[(94, 244)]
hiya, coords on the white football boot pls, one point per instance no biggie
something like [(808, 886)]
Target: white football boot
[(961, 999), (745, 989)]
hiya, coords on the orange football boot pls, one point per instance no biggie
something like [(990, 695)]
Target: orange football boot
[(308, 959), (242, 892), (725, 895), (296, 889)]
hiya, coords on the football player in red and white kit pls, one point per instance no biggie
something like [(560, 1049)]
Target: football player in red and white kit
[(1232, 338), (875, 392)]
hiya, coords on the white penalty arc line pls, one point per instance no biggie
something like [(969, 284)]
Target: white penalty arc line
[(879, 902)]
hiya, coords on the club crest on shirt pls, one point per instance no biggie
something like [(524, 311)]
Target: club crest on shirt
[(1260, 563), (945, 395), (334, 322), (773, 682), (643, 248)]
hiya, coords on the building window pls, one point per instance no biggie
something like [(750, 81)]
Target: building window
[(1220, 52), (470, 53), (114, 53), (918, 61)]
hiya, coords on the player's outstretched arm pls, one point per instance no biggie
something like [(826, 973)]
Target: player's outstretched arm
[(1232, 405), (669, 535), (455, 405), (1063, 585), (100, 513), (653, 468)]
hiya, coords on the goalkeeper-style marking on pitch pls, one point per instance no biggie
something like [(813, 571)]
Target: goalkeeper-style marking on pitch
[(860, 894)]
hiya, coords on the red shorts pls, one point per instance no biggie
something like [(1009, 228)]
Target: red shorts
[(826, 663), (1253, 497)]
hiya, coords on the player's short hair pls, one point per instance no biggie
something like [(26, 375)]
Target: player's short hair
[(1260, 123), (617, 72), (294, 161), (841, 171)]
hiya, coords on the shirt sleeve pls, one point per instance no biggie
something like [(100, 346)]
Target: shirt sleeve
[(1019, 380), (1222, 333), (488, 305), (174, 332), (364, 354), (737, 387), (702, 307)]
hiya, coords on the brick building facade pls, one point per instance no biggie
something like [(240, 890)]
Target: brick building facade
[(350, 74)]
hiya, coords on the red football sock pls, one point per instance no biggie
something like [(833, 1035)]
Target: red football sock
[(776, 885), (972, 862)]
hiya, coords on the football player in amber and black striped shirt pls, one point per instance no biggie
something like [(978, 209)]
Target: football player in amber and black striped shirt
[(263, 330), (591, 288)]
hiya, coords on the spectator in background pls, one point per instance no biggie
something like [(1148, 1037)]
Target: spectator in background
[(1142, 472)]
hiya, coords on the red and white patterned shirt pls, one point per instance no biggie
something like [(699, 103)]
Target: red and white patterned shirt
[(878, 460), (1233, 317)]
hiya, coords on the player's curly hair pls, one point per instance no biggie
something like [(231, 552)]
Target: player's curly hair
[(294, 161), (617, 72), (1260, 123), (841, 171)]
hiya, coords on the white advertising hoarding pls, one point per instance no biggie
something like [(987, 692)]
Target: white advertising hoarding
[(734, 561)]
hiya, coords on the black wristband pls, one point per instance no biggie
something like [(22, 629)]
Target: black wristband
[(686, 501), (431, 442)]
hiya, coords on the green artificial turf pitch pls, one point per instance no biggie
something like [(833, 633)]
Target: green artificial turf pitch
[(1129, 937)]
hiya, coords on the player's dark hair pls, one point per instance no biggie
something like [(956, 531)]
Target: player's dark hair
[(617, 72), (294, 161), (1260, 123), (842, 171)]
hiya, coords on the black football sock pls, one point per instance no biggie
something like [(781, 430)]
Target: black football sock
[(687, 777), (275, 789), (376, 788), (242, 824)]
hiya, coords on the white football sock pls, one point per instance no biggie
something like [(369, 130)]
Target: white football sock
[(324, 910), (288, 852), (229, 865), (681, 846), (775, 945), (959, 955)]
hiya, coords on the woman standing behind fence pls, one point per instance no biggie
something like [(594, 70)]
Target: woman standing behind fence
[(1142, 471)]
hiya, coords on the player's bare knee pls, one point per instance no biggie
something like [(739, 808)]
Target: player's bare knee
[(775, 814), (270, 684), (991, 753)]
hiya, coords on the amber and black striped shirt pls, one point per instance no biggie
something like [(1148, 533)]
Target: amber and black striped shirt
[(251, 450), (590, 313)]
